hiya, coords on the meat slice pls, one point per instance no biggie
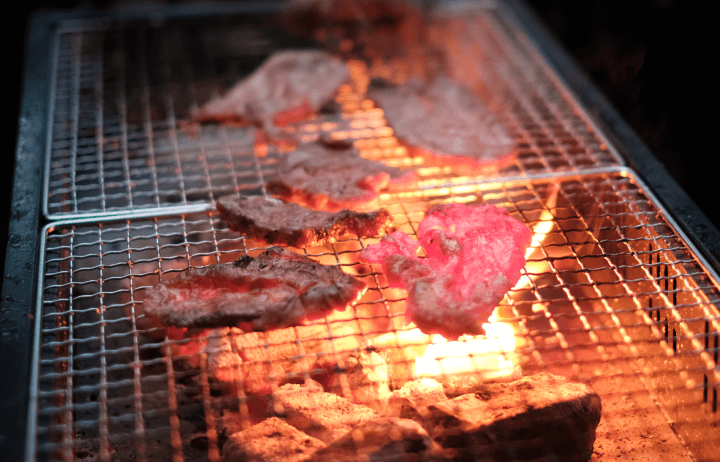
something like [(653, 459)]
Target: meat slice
[(446, 123), (474, 256), (541, 417), (271, 440), (277, 222), (278, 288), (334, 177), (288, 87)]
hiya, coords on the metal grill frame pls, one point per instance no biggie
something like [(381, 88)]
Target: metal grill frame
[(21, 279), (683, 345), (536, 94)]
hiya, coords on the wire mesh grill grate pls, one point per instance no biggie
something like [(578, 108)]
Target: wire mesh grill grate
[(122, 98), (611, 296)]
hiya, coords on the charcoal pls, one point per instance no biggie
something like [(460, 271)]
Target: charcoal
[(538, 417), (270, 441), (412, 400), (325, 416), (367, 372), (386, 439)]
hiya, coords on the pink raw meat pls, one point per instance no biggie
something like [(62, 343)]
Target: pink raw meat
[(474, 256)]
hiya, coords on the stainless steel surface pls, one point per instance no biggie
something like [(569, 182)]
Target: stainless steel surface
[(611, 292), (121, 99)]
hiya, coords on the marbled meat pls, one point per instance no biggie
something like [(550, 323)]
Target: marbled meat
[(333, 177), (277, 222), (445, 123), (474, 256), (278, 288), (288, 87)]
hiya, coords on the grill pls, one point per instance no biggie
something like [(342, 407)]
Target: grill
[(614, 294)]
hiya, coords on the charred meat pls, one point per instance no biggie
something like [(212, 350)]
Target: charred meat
[(277, 222), (475, 255), (278, 288), (446, 123), (333, 177)]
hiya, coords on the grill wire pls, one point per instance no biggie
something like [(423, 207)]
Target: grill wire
[(612, 297)]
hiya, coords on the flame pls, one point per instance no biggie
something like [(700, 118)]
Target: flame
[(489, 356)]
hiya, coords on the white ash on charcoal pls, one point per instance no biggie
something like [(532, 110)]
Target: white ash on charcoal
[(412, 400), (270, 441), (538, 417), (325, 416), (461, 384), (386, 439), (253, 361), (367, 374)]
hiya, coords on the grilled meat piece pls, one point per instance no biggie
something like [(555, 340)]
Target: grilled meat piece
[(475, 255), (333, 177), (273, 221), (445, 123), (278, 288), (288, 87)]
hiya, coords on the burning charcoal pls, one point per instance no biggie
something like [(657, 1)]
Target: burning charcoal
[(542, 416), (413, 399), (258, 358), (222, 362), (462, 384), (367, 373), (380, 439), (323, 415), (269, 441)]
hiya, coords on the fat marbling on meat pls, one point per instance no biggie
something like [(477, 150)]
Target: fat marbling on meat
[(278, 288)]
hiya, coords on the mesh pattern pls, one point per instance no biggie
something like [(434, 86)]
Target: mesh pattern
[(611, 297), (122, 99)]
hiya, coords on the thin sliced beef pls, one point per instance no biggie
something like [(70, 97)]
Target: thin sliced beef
[(335, 177), (276, 222), (278, 288), (474, 256), (288, 87), (446, 123)]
